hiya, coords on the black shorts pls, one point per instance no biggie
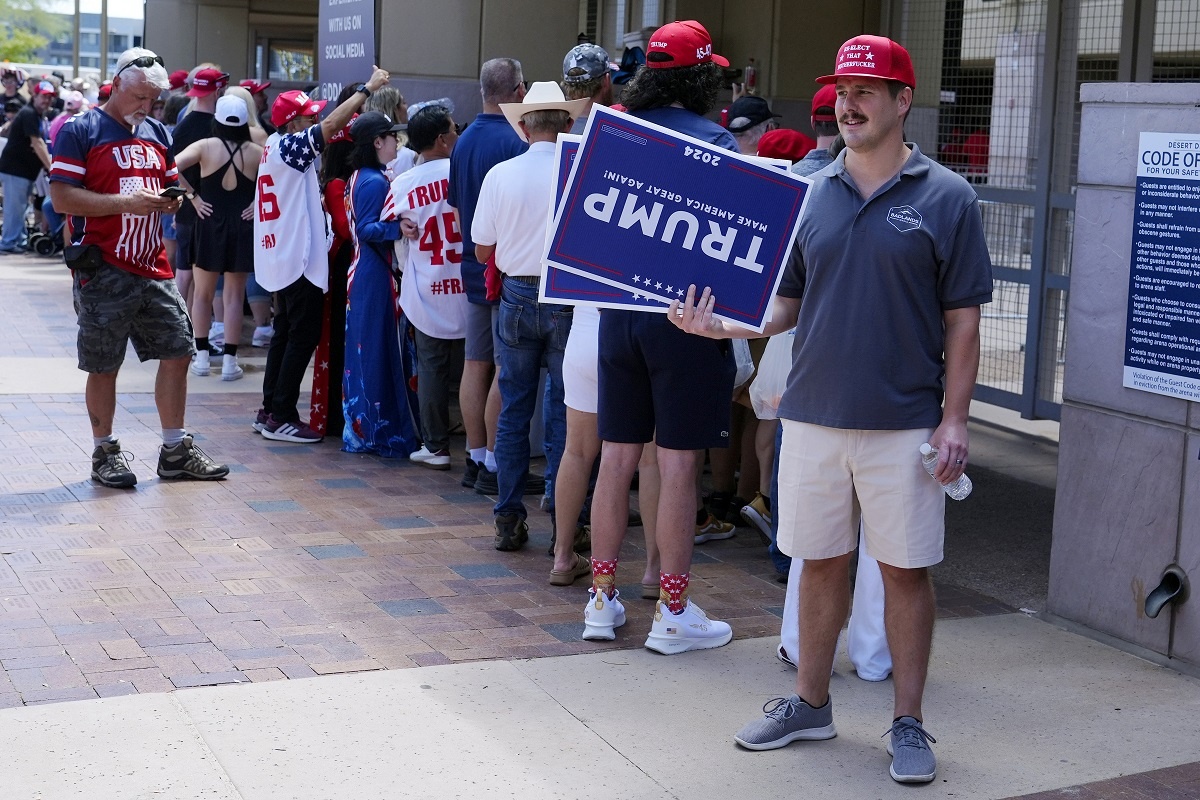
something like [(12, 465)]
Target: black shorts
[(115, 307), (184, 246), (224, 243), (657, 382)]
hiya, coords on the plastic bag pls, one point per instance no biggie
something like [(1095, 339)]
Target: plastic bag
[(768, 385), (744, 362)]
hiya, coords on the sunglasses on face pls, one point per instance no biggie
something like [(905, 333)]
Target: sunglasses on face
[(145, 62)]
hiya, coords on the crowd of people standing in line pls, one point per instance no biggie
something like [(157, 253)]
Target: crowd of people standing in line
[(418, 266)]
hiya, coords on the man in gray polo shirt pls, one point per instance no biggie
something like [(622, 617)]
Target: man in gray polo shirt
[(892, 267)]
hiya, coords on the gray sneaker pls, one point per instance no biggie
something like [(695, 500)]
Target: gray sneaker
[(186, 460), (511, 532), (110, 466), (787, 720), (908, 745)]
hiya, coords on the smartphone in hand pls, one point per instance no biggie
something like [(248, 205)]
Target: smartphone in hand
[(173, 192)]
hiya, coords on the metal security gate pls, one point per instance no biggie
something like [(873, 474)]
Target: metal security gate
[(1006, 116)]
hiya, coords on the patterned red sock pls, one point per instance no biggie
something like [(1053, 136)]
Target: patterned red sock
[(604, 576), (673, 590)]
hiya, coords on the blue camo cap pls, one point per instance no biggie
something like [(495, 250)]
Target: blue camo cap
[(586, 62)]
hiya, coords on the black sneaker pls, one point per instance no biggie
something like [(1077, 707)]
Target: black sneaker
[(110, 466), (186, 460), (511, 532), (471, 473), (485, 481)]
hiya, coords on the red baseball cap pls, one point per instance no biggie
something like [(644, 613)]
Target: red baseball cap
[(681, 44), (207, 81), (45, 87), (784, 143), (254, 87), (178, 79), (290, 105), (105, 91), (873, 57), (826, 97), (344, 134)]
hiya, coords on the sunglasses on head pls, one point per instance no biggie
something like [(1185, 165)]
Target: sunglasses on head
[(145, 62)]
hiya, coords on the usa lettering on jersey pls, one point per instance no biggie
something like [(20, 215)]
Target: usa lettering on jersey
[(101, 155)]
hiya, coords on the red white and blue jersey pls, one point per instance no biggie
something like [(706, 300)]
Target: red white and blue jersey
[(431, 291), (100, 154)]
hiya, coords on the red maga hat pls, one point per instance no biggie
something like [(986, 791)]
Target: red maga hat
[(290, 105), (826, 97), (873, 57), (207, 81), (254, 87), (681, 44)]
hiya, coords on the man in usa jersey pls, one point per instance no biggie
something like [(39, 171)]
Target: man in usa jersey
[(110, 168), (291, 257)]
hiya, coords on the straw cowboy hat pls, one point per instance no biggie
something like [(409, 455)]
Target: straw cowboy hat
[(542, 96)]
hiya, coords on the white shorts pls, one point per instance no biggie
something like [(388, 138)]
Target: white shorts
[(580, 385), (830, 478)]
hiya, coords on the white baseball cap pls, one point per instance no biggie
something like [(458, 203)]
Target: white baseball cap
[(232, 111)]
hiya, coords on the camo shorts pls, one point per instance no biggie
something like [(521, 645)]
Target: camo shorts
[(115, 307)]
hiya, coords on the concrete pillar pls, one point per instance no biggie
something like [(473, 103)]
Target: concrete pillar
[(1128, 501)]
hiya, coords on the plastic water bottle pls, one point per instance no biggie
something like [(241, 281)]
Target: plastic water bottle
[(956, 490), (750, 78)]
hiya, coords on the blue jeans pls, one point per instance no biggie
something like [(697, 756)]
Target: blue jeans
[(16, 202), (530, 335), (782, 562), (54, 220)]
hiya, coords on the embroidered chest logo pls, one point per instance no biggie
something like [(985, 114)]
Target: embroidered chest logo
[(904, 218)]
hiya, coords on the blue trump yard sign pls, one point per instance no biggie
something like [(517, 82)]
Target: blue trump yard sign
[(558, 285), (650, 211)]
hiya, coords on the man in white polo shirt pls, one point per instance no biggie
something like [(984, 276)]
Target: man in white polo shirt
[(510, 223)]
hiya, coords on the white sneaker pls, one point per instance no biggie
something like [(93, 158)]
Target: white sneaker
[(200, 364), (216, 333), (438, 460), (230, 371), (602, 616), (262, 336), (690, 630)]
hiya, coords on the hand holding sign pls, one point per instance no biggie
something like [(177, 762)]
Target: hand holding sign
[(695, 316)]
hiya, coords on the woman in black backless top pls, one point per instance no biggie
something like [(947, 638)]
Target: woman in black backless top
[(225, 232)]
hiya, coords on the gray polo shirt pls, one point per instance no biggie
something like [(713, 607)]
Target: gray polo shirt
[(875, 277)]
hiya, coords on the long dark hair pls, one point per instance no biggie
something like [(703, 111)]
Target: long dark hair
[(231, 133), (695, 88), (335, 162), (364, 154)]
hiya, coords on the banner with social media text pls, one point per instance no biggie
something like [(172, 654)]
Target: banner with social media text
[(649, 211)]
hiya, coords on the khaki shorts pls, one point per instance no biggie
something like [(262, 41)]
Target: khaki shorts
[(830, 478)]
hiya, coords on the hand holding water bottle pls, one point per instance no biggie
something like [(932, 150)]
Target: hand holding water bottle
[(957, 489)]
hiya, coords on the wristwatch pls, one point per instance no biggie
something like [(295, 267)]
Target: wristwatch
[(362, 87)]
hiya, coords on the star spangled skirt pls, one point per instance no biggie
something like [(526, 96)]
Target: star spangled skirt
[(379, 414)]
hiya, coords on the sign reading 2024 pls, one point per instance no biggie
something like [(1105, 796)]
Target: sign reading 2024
[(1162, 338)]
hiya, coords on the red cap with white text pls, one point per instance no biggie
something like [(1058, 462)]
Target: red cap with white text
[(873, 57), (681, 44)]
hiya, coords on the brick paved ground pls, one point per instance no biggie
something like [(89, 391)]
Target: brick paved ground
[(305, 561), (1174, 783)]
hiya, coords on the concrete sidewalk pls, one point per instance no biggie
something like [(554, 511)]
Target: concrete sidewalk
[(1017, 706)]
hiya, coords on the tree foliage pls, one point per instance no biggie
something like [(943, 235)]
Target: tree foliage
[(25, 28)]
